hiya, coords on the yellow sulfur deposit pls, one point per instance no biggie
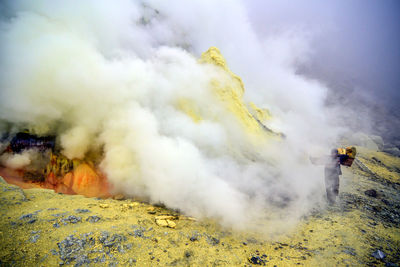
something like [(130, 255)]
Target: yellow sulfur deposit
[(228, 90), (190, 108), (262, 115), (60, 165), (231, 95), (213, 56)]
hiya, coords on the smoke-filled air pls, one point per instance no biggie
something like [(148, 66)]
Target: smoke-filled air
[(177, 102)]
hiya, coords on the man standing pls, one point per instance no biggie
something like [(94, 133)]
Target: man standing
[(332, 170)]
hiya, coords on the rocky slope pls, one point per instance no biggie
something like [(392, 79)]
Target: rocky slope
[(41, 228)]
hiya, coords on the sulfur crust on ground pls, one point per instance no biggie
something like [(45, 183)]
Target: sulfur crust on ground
[(388, 167), (345, 234)]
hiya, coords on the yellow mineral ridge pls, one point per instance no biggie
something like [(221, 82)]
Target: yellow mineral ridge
[(229, 93)]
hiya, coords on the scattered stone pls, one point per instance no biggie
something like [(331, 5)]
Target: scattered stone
[(29, 218), (72, 219), (151, 210), (104, 206), (129, 206), (212, 240), (378, 254), (100, 259), (252, 240), (34, 238), (350, 251), (166, 217), (93, 219), (139, 232), (166, 220), (188, 253), (165, 223), (82, 210), (26, 216), (72, 249), (377, 160), (257, 260), (119, 197), (371, 193), (171, 224), (195, 237), (162, 223), (386, 202), (59, 214), (113, 241)]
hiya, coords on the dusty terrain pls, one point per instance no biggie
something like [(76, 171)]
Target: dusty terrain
[(41, 228)]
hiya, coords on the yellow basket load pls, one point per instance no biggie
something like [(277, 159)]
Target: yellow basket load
[(347, 155)]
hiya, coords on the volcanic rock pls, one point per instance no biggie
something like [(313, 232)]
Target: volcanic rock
[(378, 254), (165, 223), (257, 260), (151, 210), (93, 219), (371, 193)]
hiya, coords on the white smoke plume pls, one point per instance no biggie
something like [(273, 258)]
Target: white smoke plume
[(30, 160), (106, 75), (16, 161)]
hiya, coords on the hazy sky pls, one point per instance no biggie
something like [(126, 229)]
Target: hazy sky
[(356, 41)]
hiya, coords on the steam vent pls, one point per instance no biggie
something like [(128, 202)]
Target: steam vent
[(127, 138), (51, 169), (82, 221)]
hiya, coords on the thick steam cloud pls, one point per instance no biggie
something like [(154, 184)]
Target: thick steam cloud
[(113, 79)]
